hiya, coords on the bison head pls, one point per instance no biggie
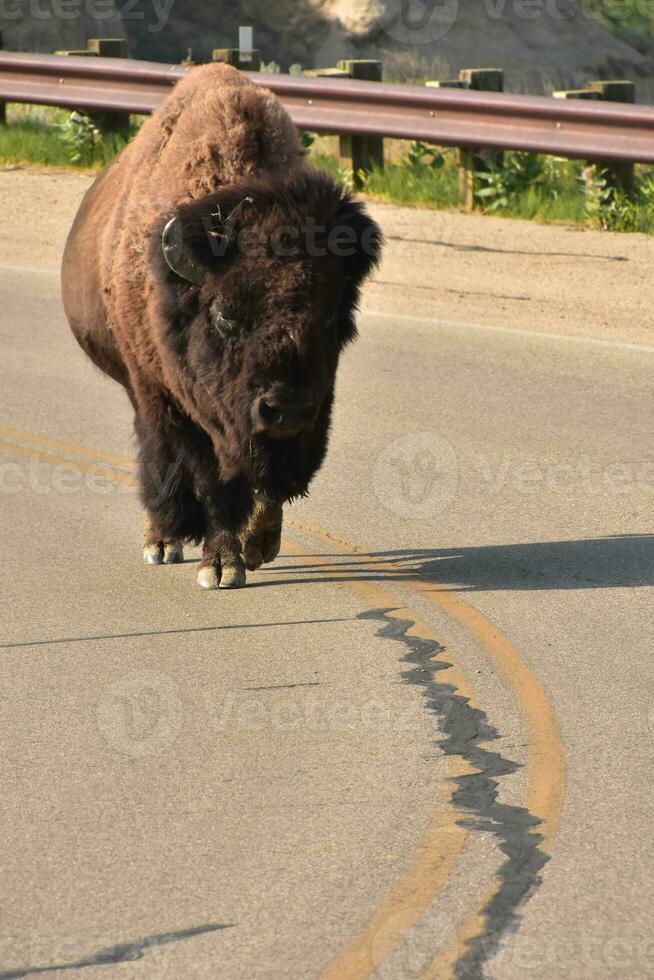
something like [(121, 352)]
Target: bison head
[(261, 282)]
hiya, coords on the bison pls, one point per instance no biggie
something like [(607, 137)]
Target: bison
[(215, 275)]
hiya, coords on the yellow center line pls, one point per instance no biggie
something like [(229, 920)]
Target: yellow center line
[(546, 767), (50, 443), (94, 469), (443, 840)]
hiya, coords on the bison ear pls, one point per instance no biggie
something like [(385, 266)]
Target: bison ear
[(365, 255), (178, 256), (367, 237)]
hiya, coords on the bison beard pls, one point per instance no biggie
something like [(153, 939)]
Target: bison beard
[(216, 276)]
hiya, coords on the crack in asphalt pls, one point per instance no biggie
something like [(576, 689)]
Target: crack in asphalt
[(465, 728), (121, 953)]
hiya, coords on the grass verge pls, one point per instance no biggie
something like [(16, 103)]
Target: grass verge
[(33, 142)]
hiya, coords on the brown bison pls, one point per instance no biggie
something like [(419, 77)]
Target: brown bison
[(215, 275)]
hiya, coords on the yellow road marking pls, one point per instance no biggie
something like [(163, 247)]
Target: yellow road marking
[(443, 840), (546, 768), (94, 469), (50, 443), (545, 788)]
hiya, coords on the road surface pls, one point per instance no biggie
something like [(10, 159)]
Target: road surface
[(419, 744)]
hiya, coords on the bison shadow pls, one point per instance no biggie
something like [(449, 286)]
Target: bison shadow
[(617, 561)]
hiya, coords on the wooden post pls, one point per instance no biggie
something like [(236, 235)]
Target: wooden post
[(475, 160), (246, 57), (361, 154), (105, 47), (232, 56), (620, 173), (108, 47)]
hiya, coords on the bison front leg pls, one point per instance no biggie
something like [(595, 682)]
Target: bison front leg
[(261, 538), (222, 566), (172, 513)]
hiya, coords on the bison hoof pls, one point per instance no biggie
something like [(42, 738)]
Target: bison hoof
[(208, 577), (153, 554), (261, 549), (173, 553), (232, 577), (163, 553)]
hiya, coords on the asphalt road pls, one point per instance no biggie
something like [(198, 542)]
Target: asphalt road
[(421, 743)]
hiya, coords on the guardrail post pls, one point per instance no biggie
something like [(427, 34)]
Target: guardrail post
[(475, 160), (232, 56), (618, 175), (105, 47), (361, 154), (110, 47), (246, 57)]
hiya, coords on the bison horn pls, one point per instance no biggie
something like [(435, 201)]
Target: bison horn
[(177, 256)]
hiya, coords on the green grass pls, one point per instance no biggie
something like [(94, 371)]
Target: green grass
[(33, 142), (415, 185), (401, 184), (558, 198), (538, 204), (33, 135)]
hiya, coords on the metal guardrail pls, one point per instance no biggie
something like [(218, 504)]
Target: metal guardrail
[(442, 116)]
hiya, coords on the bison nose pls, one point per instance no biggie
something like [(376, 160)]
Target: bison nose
[(282, 419)]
